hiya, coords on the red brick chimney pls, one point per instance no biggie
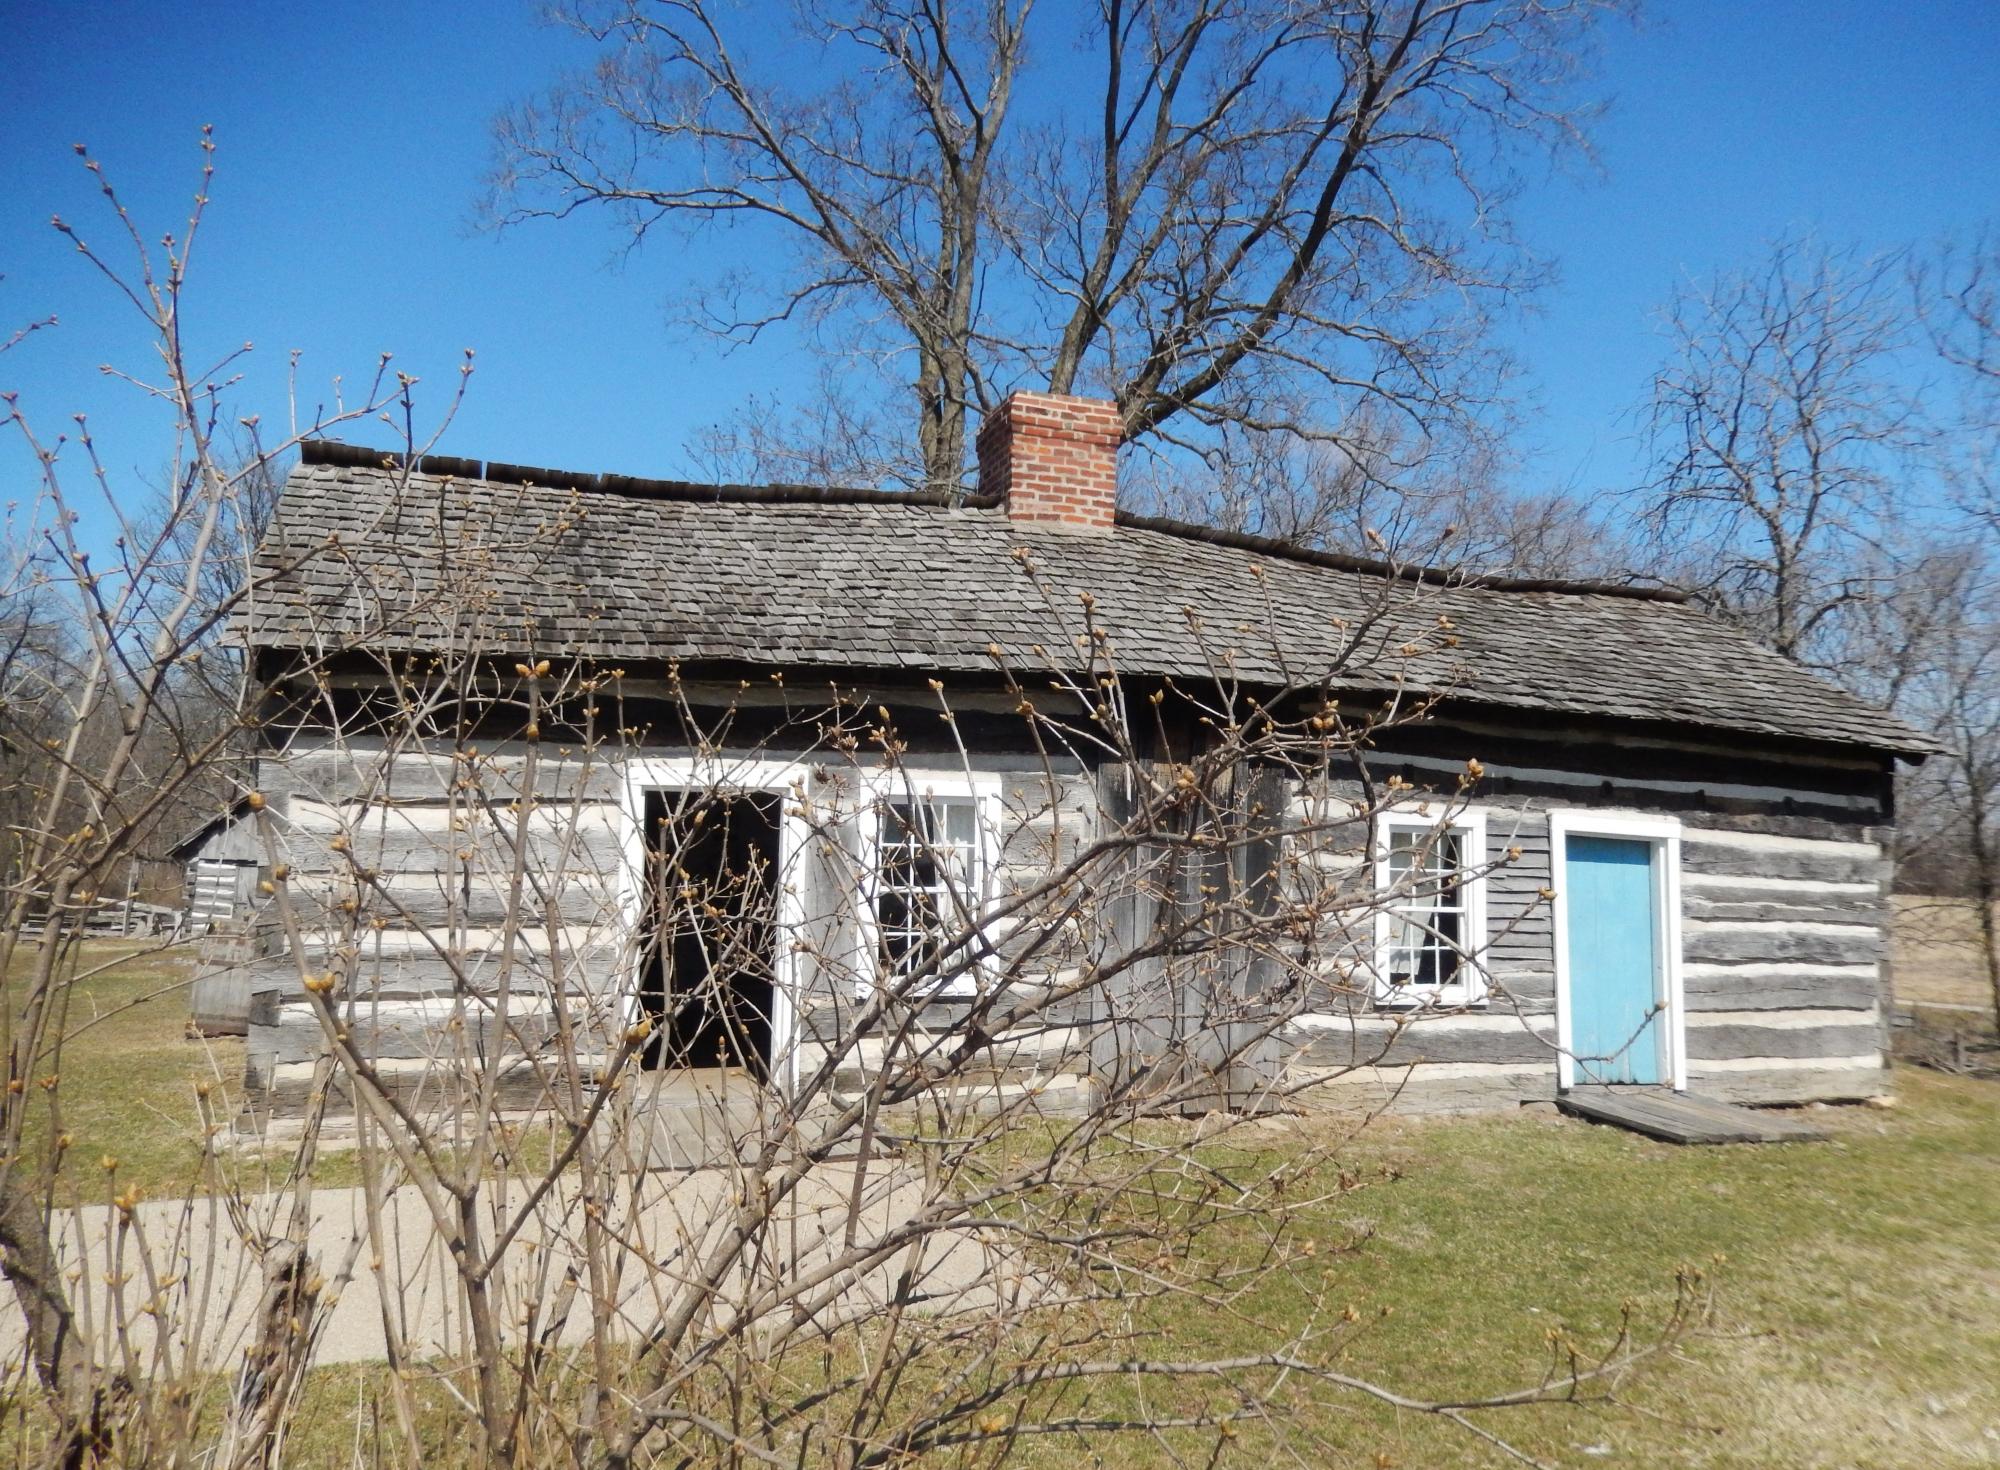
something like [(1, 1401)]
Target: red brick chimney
[(1052, 458)]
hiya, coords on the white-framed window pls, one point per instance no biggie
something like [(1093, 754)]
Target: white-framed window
[(1431, 931), (930, 851)]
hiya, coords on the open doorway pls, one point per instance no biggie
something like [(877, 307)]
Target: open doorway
[(707, 982)]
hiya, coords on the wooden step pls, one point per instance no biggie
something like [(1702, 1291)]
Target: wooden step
[(1683, 1117)]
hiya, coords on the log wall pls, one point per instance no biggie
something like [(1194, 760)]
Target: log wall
[(404, 870), (1784, 882), (463, 900)]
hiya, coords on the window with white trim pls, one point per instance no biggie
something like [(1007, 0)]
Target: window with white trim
[(928, 883), (1433, 921)]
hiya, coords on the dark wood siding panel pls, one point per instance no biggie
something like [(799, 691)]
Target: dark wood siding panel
[(1835, 1082), (1559, 764), (1855, 862), (1479, 1038), (1520, 920), (1733, 943), (1778, 987)]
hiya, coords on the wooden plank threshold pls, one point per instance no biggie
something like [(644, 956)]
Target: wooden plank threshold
[(1679, 1117)]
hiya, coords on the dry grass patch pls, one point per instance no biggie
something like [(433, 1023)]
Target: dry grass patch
[(1934, 949)]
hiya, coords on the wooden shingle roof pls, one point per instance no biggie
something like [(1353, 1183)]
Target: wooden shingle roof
[(407, 561)]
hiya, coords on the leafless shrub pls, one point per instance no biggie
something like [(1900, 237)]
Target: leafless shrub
[(941, 1212)]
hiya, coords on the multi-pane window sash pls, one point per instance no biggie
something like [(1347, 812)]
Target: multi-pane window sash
[(1434, 910), (927, 887)]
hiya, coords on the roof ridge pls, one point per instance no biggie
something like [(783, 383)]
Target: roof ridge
[(354, 456), (1402, 571)]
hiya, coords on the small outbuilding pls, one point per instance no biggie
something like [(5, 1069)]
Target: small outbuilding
[(221, 865)]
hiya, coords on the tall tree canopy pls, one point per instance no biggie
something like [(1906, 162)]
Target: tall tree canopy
[(1273, 214)]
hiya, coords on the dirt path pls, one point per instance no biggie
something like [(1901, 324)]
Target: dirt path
[(409, 1288)]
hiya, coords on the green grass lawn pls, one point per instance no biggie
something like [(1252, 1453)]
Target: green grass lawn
[(1859, 1297), (1858, 1300), (128, 1091), (128, 1075), (128, 1084)]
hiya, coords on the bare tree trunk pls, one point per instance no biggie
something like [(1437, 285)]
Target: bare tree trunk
[(29, 1263), (278, 1356)]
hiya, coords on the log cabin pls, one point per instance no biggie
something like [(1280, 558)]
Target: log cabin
[(1602, 837)]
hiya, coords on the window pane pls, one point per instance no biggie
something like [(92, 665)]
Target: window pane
[(927, 881), (1407, 929), (1427, 935)]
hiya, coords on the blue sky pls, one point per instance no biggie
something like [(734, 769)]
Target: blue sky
[(352, 138)]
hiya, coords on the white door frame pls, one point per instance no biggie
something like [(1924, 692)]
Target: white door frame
[(788, 781), (1664, 833)]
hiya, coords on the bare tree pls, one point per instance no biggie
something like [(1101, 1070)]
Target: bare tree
[(833, 437), (1959, 297), (1941, 638), (1550, 533), (1930, 648), (33, 655), (113, 755), (1372, 492), (1221, 212), (1958, 302), (1382, 494), (1783, 436)]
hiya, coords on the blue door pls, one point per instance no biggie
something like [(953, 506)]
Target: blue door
[(1614, 987)]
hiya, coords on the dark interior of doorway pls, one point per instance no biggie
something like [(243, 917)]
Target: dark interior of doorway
[(712, 865)]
